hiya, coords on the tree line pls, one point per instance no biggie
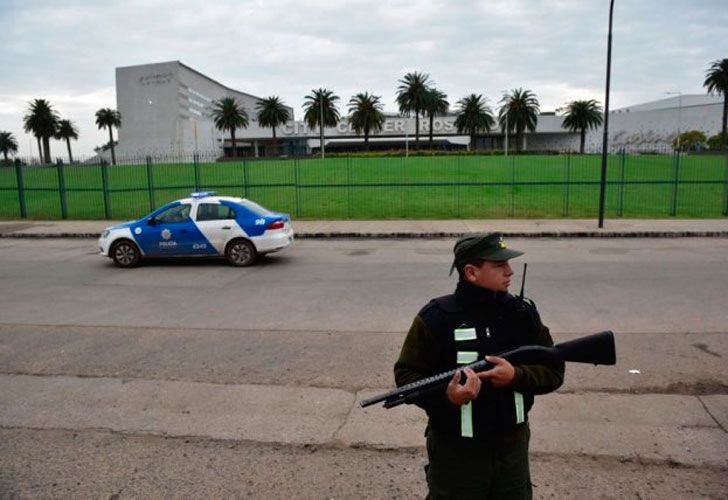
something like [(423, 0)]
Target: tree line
[(416, 95)]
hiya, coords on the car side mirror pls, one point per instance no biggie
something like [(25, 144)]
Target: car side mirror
[(151, 221)]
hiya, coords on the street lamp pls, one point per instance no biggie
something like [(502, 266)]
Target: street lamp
[(679, 114), (605, 141)]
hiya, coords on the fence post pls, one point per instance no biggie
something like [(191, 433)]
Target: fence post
[(150, 184), (21, 190), (245, 178), (513, 184), (725, 190), (401, 186), (676, 173), (567, 184), (296, 179), (196, 167), (350, 180), (105, 187), (457, 187), (621, 183), (62, 189)]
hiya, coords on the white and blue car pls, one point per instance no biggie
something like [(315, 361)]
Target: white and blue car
[(201, 225)]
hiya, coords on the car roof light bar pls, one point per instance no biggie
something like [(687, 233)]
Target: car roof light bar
[(202, 194)]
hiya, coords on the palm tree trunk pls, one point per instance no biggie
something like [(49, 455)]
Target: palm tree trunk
[(111, 143), (519, 133), (472, 139), (47, 149), (40, 149), (366, 139), (583, 136), (275, 142), (5, 154), (234, 152), (70, 157), (432, 119), (417, 130)]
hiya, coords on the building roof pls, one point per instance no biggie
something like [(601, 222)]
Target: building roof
[(673, 102)]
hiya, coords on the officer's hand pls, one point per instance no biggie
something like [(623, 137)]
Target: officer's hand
[(501, 374), (461, 394)]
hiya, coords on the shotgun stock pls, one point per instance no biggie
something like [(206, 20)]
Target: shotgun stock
[(597, 349)]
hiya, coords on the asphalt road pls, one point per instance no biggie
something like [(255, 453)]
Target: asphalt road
[(330, 316)]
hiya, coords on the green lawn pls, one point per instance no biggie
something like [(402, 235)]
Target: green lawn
[(394, 187)]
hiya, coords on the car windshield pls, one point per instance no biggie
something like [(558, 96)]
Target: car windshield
[(251, 205)]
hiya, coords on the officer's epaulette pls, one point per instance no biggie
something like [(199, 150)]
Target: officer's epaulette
[(446, 303), (528, 306)]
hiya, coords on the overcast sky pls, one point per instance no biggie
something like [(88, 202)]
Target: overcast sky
[(66, 50)]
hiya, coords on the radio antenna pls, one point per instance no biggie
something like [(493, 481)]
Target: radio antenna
[(523, 279)]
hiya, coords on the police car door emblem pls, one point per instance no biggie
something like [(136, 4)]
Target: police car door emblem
[(166, 234), (138, 230)]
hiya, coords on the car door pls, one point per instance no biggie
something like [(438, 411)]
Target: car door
[(217, 223), (169, 232)]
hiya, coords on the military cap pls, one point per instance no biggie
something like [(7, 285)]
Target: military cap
[(482, 246)]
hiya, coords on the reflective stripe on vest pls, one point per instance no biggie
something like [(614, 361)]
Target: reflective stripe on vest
[(467, 357), (465, 334), (520, 414), (466, 410)]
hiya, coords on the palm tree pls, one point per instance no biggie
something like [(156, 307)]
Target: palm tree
[(321, 103), (716, 81), (411, 98), (109, 118), (582, 116), (522, 109), (41, 121), (473, 116), (229, 115), (67, 131), (272, 113), (435, 103), (8, 144), (365, 115)]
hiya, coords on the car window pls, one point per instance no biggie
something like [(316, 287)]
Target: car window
[(255, 208), (179, 213), (211, 211)]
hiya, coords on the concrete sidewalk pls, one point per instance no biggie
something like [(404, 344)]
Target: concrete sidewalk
[(535, 228), (678, 429)]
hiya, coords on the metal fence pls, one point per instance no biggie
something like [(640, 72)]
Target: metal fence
[(453, 186)]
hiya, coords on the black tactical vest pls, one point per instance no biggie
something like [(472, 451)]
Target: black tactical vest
[(465, 334)]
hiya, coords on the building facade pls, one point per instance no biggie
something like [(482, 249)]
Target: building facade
[(166, 109)]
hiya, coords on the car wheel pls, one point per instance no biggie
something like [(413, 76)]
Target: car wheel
[(125, 254), (241, 253)]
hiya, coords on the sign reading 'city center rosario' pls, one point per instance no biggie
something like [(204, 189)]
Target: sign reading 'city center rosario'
[(391, 127)]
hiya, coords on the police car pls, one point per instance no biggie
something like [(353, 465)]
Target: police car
[(201, 225)]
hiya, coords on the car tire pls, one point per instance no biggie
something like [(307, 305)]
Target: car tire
[(125, 253), (241, 253)]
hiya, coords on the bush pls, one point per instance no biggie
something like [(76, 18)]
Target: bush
[(691, 140), (718, 142)]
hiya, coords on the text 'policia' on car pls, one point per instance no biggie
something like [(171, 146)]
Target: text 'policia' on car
[(201, 225)]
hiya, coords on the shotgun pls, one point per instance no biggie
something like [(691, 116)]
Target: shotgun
[(597, 349)]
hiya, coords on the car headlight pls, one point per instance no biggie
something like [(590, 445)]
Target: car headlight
[(105, 234)]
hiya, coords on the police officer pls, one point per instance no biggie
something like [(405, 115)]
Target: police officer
[(477, 434)]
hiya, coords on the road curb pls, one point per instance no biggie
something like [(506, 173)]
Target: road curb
[(434, 235)]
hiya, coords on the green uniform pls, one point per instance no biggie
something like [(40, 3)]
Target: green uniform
[(480, 449)]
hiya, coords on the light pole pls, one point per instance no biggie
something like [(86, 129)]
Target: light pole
[(605, 141), (678, 93)]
